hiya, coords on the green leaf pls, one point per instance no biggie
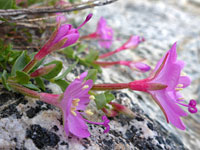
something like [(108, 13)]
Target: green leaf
[(7, 4), (62, 83), (92, 74), (31, 86), (69, 69), (55, 71), (92, 56), (69, 52), (20, 63), (22, 77), (40, 83), (109, 96), (81, 48), (100, 100), (4, 80), (98, 67)]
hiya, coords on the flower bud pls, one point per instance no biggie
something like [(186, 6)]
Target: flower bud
[(43, 71), (122, 109)]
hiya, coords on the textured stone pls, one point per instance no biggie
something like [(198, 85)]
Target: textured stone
[(30, 124)]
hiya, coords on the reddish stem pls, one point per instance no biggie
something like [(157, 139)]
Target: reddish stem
[(30, 65), (114, 86), (111, 53)]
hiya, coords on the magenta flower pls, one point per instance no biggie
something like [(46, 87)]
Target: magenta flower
[(164, 85), (19, 1), (138, 66), (103, 33), (73, 105), (64, 35), (132, 43), (60, 18)]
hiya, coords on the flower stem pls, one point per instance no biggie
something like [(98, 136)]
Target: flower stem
[(30, 65), (24, 90), (89, 36), (106, 64), (114, 86), (110, 53)]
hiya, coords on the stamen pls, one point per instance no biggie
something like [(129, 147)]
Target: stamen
[(89, 112), (180, 85), (183, 74), (181, 98), (85, 87), (73, 111), (178, 89), (92, 97), (75, 102), (78, 77)]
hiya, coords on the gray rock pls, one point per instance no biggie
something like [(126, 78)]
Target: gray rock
[(30, 124)]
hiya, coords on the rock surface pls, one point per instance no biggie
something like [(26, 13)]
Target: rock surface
[(29, 124)]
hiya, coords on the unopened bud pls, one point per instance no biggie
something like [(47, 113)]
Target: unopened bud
[(140, 66), (122, 109), (109, 112), (43, 71)]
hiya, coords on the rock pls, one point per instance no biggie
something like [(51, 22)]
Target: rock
[(30, 124)]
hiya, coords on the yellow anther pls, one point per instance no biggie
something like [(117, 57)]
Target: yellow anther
[(180, 85), (75, 102), (181, 98), (85, 87), (91, 97), (183, 74), (78, 77), (73, 111), (178, 89), (89, 112)]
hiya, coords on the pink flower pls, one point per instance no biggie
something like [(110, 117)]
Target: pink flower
[(60, 18), (73, 105), (64, 35), (62, 3), (19, 1), (164, 85), (138, 66), (103, 33), (132, 42)]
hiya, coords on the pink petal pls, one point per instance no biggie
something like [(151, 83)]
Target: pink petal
[(71, 39), (172, 110), (77, 126), (62, 31), (169, 76), (184, 80)]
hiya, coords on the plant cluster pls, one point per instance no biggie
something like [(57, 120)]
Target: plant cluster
[(26, 73)]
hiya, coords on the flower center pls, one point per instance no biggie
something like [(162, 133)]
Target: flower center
[(85, 87), (74, 105)]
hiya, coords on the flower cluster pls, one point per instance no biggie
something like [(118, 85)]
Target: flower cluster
[(164, 83)]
